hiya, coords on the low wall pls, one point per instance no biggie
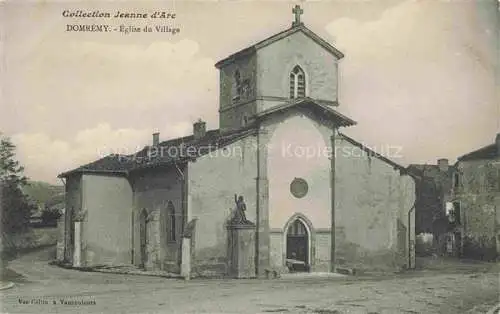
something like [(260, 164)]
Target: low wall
[(33, 238)]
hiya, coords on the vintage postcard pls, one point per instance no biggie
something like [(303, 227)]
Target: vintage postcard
[(250, 156)]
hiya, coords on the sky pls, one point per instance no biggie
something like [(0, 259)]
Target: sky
[(420, 75)]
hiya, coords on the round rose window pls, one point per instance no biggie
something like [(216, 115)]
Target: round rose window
[(299, 187)]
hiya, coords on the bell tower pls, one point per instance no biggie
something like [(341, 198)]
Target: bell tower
[(290, 65)]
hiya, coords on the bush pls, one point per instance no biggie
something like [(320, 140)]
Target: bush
[(482, 248), (15, 207), (50, 215)]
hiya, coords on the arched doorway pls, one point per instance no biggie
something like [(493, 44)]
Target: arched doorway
[(143, 234), (297, 246)]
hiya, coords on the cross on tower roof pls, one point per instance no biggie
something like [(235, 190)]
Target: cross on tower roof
[(297, 11)]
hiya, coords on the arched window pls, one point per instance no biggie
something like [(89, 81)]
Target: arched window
[(297, 83), (237, 86), (171, 230)]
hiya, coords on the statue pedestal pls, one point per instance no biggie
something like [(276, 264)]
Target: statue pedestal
[(241, 250)]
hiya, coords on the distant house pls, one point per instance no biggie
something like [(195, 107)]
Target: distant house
[(476, 195), (434, 190)]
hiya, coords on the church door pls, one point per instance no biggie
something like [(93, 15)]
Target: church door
[(143, 236), (297, 246)]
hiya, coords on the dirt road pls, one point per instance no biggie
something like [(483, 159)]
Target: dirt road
[(49, 289)]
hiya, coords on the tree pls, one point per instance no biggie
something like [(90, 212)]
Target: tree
[(15, 208), (50, 215)]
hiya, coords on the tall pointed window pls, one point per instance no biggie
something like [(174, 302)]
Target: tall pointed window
[(297, 83), (237, 86), (171, 232)]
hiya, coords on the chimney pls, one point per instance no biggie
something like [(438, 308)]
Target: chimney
[(443, 164), (156, 138), (497, 142), (199, 129)]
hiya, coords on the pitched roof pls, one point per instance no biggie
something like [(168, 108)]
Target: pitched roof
[(112, 164), (324, 110), (186, 148), (486, 152), (169, 152), (422, 170), (266, 42), (431, 171), (372, 153)]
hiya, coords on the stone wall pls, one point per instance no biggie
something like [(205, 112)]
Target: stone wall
[(276, 248), (372, 201), (106, 228), (213, 181), (322, 251), (479, 197), (153, 191)]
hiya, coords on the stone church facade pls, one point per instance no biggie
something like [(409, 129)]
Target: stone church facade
[(315, 195)]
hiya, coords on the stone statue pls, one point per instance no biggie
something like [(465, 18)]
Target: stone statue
[(239, 216), (189, 229)]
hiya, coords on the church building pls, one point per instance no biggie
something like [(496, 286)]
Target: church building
[(314, 196)]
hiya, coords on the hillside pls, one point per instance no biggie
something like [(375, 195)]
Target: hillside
[(44, 193)]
